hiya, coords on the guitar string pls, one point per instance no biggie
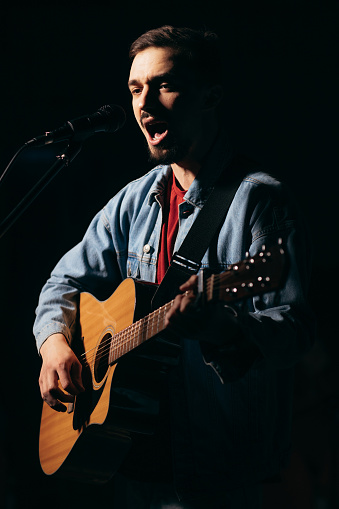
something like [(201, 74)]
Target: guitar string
[(133, 331), (113, 343), (117, 342), (137, 329), (121, 339)]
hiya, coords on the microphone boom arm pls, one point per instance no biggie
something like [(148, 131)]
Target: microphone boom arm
[(63, 160)]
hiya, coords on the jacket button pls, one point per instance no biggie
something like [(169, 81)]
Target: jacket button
[(147, 248)]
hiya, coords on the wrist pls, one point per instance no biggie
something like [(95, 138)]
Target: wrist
[(51, 341)]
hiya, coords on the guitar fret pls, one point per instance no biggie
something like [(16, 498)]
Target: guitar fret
[(150, 326), (149, 329), (158, 320), (136, 333)]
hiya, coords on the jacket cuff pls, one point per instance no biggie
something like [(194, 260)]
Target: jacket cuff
[(52, 328)]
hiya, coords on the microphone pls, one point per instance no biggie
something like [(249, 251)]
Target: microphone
[(107, 119)]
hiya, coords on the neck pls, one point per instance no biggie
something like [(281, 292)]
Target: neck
[(186, 170), (185, 174)]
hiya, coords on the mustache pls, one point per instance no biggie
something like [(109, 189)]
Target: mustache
[(156, 118)]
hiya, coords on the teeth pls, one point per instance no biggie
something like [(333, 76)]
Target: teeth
[(156, 130)]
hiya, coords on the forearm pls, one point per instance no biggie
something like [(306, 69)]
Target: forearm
[(56, 312), (91, 266)]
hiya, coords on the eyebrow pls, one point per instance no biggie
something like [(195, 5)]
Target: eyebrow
[(159, 77)]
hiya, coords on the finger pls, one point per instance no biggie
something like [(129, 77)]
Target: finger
[(187, 302), (182, 304), (51, 390), (178, 317), (174, 311), (68, 383), (68, 386), (190, 284), (76, 371), (48, 381), (53, 399), (60, 395)]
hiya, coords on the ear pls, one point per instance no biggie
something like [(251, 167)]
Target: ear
[(213, 96)]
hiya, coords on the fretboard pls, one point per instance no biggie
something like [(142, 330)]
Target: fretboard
[(137, 333)]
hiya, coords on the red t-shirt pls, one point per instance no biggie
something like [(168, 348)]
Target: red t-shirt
[(174, 196)]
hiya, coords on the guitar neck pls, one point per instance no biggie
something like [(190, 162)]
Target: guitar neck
[(253, 276), (138, 332)]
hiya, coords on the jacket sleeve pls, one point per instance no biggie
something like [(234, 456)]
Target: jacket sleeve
[(91, 266), (278, 327)]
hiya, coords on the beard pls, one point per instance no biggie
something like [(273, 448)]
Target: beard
[(169, 152)]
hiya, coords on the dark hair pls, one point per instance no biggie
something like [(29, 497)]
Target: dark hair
[(198, 49)]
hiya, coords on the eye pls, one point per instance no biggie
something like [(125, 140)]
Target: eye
[(165, 86), (135, 91)]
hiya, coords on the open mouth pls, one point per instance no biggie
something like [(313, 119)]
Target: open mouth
[(156, 130)]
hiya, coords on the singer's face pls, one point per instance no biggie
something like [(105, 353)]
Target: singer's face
[(167, 102)]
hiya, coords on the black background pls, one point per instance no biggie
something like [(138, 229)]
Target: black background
[(66, 59)]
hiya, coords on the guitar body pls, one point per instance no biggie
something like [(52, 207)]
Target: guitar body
[(91, 439)]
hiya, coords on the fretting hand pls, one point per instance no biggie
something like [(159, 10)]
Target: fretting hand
[(214, 323)]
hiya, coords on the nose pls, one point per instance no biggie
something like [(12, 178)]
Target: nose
[(147, 100)]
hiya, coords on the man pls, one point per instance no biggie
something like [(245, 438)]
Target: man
[(225, 423)]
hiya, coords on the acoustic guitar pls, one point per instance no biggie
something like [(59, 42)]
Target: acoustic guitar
[(90, 440)]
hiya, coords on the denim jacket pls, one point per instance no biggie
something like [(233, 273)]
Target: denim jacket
[(223, 432)]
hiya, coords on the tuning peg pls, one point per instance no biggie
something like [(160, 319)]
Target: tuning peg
[(249, 262), (231, 291), (264, 281), (261, 281)]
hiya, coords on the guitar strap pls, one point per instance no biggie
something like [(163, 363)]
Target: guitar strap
[(187, 260)]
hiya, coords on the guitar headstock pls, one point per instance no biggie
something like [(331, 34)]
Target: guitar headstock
[(253, 276)]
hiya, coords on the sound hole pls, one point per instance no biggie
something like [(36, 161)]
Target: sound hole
[(101, 359)]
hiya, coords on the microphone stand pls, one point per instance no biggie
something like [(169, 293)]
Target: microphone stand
[(64, 159)]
